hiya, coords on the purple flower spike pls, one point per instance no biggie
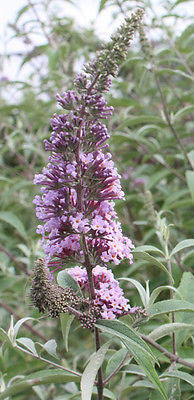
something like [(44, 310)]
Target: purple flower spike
[(81, 181)]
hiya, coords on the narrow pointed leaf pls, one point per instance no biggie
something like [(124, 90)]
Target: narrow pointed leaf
[(11, 219), (19, 324), (181, 375), (151, 249), (166, 329), (167, 306), (124, 332), (133, 369), (115, 360), (139, 287), (142, 255), (90, 372), (190, 183), (182, 245), (38, 378), (142, 356), (158, 290), (66, 321)]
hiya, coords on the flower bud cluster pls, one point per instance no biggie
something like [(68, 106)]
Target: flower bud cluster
[(51, 298), (54, 300)]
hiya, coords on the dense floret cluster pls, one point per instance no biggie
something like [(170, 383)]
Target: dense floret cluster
[(79, 185), (109, 296)]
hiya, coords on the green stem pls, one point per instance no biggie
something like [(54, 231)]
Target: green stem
[(92, 297), (172, 297)]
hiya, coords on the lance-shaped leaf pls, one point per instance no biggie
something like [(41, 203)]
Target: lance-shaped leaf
[(13, 220), (142, 255), (90, 372), (139, 287), (137, 347), (38, 378), (66, 321), (158, 290), (166, 329), (167, 306), (181, 375), (182, 245)]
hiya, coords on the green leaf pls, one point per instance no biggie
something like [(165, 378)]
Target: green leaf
[(66, 321), (11, 219), (67, 281), (133, 369), (38, 378), (181, 375), (139, 287), (186, 290), (4, 336), (123, 102), (191, 156), (177, 3), (172, 387), (50, 347), (190, 182), (22, 11), (102, 4), (19, 324), (182, 245), (28, 343), (136, 346), (175, 72), (141, 119), (166, 329), (156, 178), (182, 112), (158, 290), (90, 372), (142, 255), (148, 128), (115, 360), (174, 196), (151, 249), (125, 332), (167, 306)]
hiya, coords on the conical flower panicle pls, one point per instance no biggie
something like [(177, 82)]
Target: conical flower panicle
[(80, 181)]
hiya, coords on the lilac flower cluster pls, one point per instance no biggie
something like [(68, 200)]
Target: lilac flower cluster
[(79, 185), (80, 180), (109, 296)]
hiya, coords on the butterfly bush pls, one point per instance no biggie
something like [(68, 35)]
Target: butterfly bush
[(80, 182)]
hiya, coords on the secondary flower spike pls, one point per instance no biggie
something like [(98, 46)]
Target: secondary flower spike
[(81, 182), (109, 296)]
